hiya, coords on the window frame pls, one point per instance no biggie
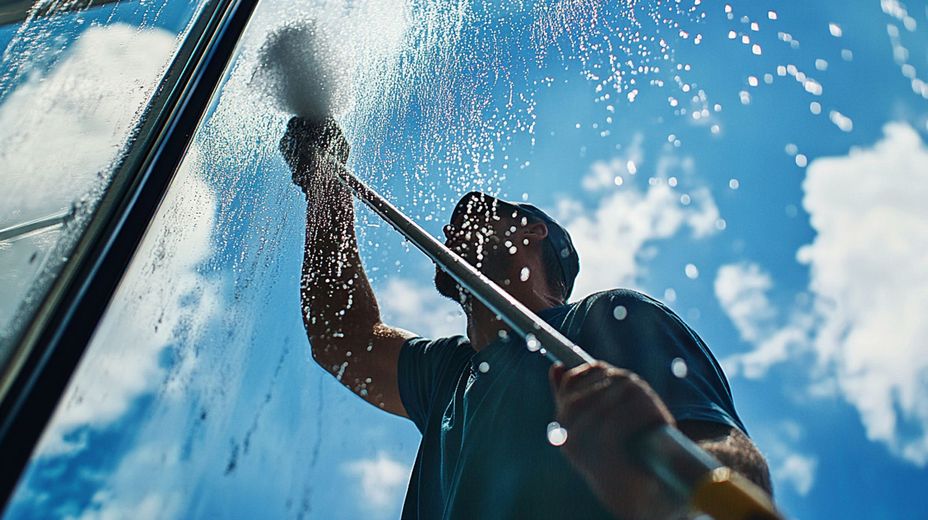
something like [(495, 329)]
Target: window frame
[(49, 348)]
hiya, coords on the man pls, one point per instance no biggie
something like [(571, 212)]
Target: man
[(483, 401)]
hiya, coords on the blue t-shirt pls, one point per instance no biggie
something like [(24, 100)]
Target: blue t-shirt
[(484, 415)]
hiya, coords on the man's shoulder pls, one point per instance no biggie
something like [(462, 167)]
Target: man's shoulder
[(626, 298), (442, 342)]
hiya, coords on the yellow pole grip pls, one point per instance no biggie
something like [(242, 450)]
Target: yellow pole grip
[(723, 494)]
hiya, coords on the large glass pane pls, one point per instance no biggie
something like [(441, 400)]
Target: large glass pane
[(74, 79), (758, 166)]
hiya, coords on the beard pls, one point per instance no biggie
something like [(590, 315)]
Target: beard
[(447, 287), (493, 266)]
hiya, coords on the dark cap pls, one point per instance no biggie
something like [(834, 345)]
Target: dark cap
[(558, 238)]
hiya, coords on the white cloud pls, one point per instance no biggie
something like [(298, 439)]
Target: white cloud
[(381, 480), (612, 238), (870, 282), (603, 173), (869, 288), (742, 291), (776, 347), (60, 132), (139, 504), (788, 466), (419, 308), (798, 471)]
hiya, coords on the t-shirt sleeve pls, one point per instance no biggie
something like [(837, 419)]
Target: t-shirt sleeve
[(642, 335), (427, 371)]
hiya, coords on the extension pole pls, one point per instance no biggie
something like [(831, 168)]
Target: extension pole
[(709, 486)]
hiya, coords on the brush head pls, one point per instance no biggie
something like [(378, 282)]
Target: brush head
[(298, 68)]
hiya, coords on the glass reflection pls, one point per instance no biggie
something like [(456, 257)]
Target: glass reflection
[(74, 80)]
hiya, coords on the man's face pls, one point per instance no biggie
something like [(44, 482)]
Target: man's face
[(480, 233)]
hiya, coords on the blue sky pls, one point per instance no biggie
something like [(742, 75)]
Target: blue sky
[(792, 245)]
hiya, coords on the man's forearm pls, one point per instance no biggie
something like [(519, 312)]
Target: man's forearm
[(739, 453), (732, 448), (337, 300)]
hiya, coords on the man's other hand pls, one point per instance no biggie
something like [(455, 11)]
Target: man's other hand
[(602, 407), (307, 145)]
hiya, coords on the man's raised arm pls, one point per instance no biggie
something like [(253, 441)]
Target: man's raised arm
[(339, 308)]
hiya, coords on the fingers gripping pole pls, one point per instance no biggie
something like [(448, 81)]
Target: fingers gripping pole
[(668, 454)]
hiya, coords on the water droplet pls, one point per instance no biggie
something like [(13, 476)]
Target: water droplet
[(678, 367), (801, 160), (841, 121), (835, 30), (815, 107), (691, 271), (618, 180), (557, 435), (483, 367), (771, 15), (670, 295), (620, 312), (532, 343), (524, 274), (631, 167), (734, 184), (812, 87)]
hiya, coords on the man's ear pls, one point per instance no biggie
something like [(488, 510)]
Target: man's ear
[(535, 231)]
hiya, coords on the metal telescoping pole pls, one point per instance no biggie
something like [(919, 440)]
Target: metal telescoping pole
[(687, 469)]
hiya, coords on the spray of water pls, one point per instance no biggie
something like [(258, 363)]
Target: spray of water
[(302, 72)]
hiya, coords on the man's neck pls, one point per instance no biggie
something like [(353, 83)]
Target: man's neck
[(483, 326)]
